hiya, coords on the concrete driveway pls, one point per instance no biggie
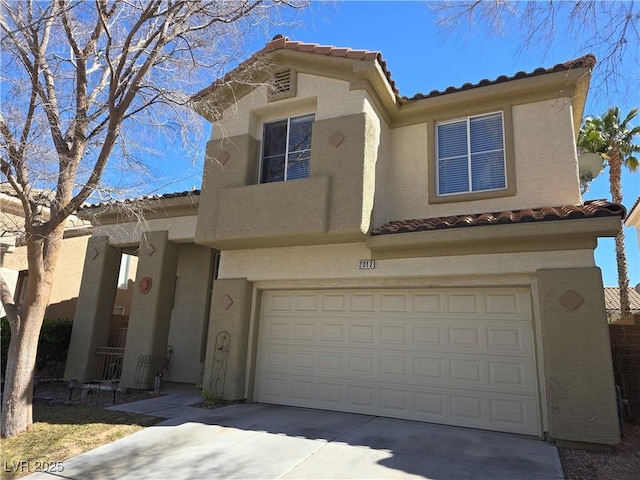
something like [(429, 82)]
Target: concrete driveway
[(253, 441)]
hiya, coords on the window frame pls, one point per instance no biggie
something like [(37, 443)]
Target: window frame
[(311, 115), (509, 158)]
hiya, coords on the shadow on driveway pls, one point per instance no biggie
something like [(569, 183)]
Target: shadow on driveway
[(266, 442)]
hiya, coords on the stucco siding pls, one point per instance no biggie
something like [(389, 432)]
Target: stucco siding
[(577, 356), (408, 177), (545, 161), (179, 229), (189, 313), (327, 97), (67, 277), (325, 262)]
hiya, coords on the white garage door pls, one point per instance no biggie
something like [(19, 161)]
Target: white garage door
[(457, 356)]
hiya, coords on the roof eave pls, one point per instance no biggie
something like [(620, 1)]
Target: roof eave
[(129, 210), (568, 234), (572, 83), (360, 73)]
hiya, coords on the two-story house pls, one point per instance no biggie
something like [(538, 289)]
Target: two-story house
[(427, 258)]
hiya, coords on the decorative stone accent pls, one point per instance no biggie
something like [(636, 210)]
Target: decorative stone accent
[(228, 301), (145, 285), (96, 253), (336, 139), (147, 250), (223, 158), (571, 300)]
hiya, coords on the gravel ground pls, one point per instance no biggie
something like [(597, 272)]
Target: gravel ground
[(58, 393), (621, 462)]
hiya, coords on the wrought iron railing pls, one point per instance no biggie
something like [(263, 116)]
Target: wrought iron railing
[(108, 364)]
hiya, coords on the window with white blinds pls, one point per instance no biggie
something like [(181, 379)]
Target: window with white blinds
[(471, 155), (286, 149)]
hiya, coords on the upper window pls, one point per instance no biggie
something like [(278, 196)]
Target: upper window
[(286, 150), (470, 155)]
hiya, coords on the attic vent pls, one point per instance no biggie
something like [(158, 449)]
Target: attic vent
[(283, 84), (282, 81)]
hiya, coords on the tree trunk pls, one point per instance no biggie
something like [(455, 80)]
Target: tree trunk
[(623, 277), (17, 415), (615, 180)]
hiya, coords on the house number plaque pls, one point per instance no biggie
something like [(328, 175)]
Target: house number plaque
[(366, 264)]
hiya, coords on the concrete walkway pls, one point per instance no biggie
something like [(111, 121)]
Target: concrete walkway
[(254, 441)]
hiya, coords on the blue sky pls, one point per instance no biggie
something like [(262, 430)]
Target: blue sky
[(422, 57)]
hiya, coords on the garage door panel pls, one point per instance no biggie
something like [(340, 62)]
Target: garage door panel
[(362, 333), (493, 410), (459, 357), (305, 332), (303, 361), (334, 303), (394, 367), (333, 332), (362, 365), (331, 363), (330, 394), (464, 303)]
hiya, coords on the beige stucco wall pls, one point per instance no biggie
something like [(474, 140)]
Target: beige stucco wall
[(577, 356), (334, 204), (569, 412), (226, 368), (326, 97), (180, 229), (396, 172), (545, 159), (95, 304), (188, 324), (67, 278), (150, 318), (324, 264), (634, 221)]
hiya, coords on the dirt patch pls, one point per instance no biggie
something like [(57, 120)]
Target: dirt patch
[(621, 462), (58, 393)]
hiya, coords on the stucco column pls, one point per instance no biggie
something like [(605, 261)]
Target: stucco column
[(151, 310), (579, 381), (94, 307), (225, 372)]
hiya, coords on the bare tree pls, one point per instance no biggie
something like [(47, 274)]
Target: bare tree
[(608, 29), (84, 84)]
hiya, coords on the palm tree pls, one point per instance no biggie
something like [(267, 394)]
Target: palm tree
[(613, 140)]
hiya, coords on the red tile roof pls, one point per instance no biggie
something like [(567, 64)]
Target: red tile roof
[(586, 61), (590, 209), (280, 42)]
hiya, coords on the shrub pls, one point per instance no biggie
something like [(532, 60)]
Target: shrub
[(53, 344), (5, 336)]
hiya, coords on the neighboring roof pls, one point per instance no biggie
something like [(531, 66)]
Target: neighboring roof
[(612, 299), (280, 42), (10, 204), (36, 193), (590, 209), (633, 208), (146, 198)]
